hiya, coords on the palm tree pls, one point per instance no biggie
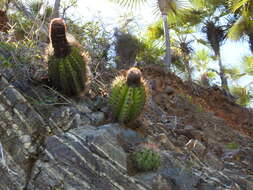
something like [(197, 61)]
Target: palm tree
[(243, 27), (216, 35), (185, 49), (165, 7)]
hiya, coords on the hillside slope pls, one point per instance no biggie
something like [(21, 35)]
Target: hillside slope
[(53, 142)]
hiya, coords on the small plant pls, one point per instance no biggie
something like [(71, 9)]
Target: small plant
[(146, 158), (232, 145), (67, 63), (128, 96)]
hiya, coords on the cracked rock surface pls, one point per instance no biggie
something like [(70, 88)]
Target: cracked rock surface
[(75, 147)]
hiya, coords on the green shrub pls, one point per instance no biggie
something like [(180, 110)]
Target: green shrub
[(128, 95)]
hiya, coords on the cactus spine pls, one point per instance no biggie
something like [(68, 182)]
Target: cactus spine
[(128, 96), (67, 64)]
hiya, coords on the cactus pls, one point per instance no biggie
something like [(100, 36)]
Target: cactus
[(128, 95), (146, 158), (67, 63)]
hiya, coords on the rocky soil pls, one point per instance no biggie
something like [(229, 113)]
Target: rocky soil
[(51, 142)]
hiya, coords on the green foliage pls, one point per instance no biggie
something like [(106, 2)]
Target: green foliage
[(234, 73), (155, 31), (92, 36), (243, 26), (248, 64), (150, 53), (23, 51), (243, 95), (22, 25), (232, 145), (68, 74), (201, 59), (146, 159), (6, 62), (127, 100)]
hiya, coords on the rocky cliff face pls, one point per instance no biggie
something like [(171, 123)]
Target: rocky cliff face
[(74, 145)]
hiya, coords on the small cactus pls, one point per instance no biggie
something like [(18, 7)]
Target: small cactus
[(67, 63), (128, 95), (146, 158)]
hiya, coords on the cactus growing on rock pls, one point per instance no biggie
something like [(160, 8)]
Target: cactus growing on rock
[(146, 157), (67, 62), (128, 95)]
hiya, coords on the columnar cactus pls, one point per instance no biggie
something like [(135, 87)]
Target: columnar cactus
[(67, 62), (128, 95)]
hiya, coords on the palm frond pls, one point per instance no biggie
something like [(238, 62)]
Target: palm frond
[(248, 64), (155, 31), (130, 3), (166, 6), (243, 26), (243, 95), (235, 5)]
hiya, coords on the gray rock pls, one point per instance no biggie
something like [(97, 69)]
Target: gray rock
[(22, 133), (83, 108), (196, 146), (84, 159), (67, 118), (97, 118)]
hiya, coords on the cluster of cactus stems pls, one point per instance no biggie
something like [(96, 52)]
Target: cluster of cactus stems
[(67, 63), (129, 95)]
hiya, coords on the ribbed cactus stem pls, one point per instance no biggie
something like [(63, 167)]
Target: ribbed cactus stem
[(128, 96), (58, 38)]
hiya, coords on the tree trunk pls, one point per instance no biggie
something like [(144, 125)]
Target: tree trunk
[(56, 10), (224, 82), (167, 42), (189, 73)]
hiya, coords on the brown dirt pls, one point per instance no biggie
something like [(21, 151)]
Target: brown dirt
[(211, 99), (4, 27)]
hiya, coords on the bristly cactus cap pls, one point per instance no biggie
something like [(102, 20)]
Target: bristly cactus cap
[(58, 38), (134, 77)]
